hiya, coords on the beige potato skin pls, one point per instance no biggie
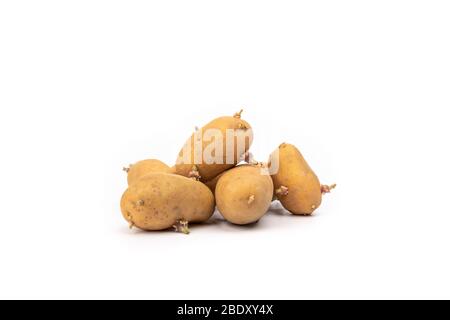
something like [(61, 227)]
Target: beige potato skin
[(144, 167), (158, 201), (304, 189), (243, 194), (211, 184), (210, 171)]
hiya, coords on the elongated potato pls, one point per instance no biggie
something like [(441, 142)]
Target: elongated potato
[(296, 185), (144, 167), (216, 147), (160, 201), (243, 194)]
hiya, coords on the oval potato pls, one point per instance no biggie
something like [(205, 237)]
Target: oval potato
[(204, 164), (159, 201), (144, 167), (296, 185), (243, 194)]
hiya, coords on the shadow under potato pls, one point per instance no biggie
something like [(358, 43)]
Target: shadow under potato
[(277, 209)]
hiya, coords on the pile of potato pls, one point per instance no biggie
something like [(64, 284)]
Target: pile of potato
[(160, 197)]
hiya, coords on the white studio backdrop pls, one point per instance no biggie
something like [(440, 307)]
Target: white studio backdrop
[(361, 87)]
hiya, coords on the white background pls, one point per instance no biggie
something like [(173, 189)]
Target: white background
[(361, 87)]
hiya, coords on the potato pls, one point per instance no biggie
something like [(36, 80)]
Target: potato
[(144, 167), (160, 201), (198, 157), (211, 184), (296, 185), (243, 194)]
